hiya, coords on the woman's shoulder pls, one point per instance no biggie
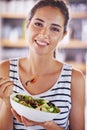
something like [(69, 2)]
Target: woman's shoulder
[(77, 74), (78, 79), (4, 68), (5, 65)]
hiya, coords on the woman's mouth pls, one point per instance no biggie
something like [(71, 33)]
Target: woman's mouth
[(41, 43)]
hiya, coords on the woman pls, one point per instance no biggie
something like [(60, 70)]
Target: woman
[(54, 80)]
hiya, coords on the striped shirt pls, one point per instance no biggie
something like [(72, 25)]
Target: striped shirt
[(59, 94)]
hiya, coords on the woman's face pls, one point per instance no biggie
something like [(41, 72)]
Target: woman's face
[(45, 30)]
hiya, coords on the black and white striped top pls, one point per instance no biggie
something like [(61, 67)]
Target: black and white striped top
[(59, 94)]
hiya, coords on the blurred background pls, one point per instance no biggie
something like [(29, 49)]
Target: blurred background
[(72, 49)]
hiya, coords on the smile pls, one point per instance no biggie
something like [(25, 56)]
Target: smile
[(41, 43)]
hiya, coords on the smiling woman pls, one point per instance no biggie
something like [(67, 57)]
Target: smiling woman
[(40, 75), (46, 30)]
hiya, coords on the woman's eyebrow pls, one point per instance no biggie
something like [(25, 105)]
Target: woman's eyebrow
[(57, 25), (39, 20)]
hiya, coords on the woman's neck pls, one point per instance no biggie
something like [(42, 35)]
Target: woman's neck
[(40, 65)]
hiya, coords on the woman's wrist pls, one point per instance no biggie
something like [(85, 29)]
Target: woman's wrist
[(6, 101), (50, 125)]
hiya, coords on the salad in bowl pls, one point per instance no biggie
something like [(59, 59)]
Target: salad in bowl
[(35, 109)]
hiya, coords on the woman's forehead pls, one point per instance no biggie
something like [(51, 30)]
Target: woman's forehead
[(49, 14)]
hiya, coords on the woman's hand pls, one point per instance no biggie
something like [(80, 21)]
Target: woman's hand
[(23, 120), (5, 88), (48, 125)]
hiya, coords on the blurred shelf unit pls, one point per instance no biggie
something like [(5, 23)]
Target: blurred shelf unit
[(73, 14), (11, 52), (75, 56), (12, 22), (12, 30), (19, 43), (74, 44), (73, 48), (78, 15), (10, 15)]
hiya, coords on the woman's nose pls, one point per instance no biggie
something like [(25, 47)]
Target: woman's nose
[(44, 32)]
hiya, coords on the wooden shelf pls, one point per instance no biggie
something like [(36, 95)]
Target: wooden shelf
[(74, 44), (80, 66), (78, 15), (12, 16), (18, 43)]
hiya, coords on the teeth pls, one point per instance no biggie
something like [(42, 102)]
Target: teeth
[(42, 43)]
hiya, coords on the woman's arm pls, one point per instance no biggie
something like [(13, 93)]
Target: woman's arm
[(77, 115), (6, 120)]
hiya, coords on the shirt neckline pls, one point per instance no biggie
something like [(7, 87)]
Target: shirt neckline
[(43, 93)]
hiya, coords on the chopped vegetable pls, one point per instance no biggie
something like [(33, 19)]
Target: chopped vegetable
[(39, 104)]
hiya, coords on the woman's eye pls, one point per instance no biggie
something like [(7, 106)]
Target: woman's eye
[(55, 29), (38, 24)]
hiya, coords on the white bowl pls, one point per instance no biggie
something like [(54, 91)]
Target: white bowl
[(30, 113)]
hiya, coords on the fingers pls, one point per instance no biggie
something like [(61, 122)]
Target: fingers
[(21, 119), (27, 122), (5, 81), (16, 115), (8, 90), (32, 123), (5, 87)]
